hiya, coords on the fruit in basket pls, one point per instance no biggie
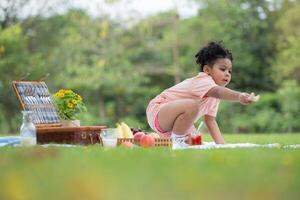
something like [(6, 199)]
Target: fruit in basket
[(147, 141), (127, 145), (124, 131), (138, 135), (127, 133), (120, 131)]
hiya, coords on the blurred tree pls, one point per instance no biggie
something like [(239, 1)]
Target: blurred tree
[(13, 11), (244, 27), (92, 50), (14, 58), (119, 66), (289, 96), (286, 65)]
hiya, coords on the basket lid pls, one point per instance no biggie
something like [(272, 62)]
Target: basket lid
[(35, 96)]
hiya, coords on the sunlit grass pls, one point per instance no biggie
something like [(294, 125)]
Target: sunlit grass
[(259, 138), (95, 173)]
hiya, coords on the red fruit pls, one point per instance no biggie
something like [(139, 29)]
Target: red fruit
[(147, 141), (138, 135), (127, 145)]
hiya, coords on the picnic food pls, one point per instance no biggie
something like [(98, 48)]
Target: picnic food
[(124, 131), (138, 135), (147, 141), (119, 127), (256, 98), (253, 97), (127, 145)]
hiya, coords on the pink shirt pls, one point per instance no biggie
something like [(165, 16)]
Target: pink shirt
[(191, 88)]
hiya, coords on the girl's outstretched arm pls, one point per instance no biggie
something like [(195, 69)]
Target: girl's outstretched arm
[(213, 129), (230, 95)]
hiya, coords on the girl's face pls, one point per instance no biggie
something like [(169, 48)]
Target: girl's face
[(220, 71)]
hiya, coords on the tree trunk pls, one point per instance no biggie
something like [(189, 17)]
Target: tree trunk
[(175, 50), (118, 107), (102, 112)]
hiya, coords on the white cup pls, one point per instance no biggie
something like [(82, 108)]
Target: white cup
[(109, 137)]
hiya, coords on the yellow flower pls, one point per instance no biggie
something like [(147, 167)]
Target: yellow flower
[(70, 105), (68, 91), (74, 102), (61, 94)]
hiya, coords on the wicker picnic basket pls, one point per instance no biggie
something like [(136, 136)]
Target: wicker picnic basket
[(159, 142), (34, 96)]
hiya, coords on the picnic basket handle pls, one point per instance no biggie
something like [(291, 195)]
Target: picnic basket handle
[(24, 76), (44, 77)]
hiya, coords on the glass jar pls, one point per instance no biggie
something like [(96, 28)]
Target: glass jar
[(28, 130)]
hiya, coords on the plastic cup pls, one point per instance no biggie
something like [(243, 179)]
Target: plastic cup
[(196, 139)]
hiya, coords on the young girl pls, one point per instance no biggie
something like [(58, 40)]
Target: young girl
[(173, 112)]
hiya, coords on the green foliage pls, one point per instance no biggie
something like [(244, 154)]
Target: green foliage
[(289, 96), (286, 65), (119, 69), (14, 58), (272, 113), (245, 32), (69, 104)]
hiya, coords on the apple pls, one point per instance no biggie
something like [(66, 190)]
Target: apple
[(138, 135), (147, 141), (127, 145)]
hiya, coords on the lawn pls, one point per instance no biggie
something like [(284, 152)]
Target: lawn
[(96, 173)]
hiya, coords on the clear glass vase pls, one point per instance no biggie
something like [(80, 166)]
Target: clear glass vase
[(28, 130)]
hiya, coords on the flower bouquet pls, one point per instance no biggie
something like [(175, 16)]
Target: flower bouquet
[(69, 104)]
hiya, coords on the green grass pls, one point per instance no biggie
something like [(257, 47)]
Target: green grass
[(283, 139), (96, 173)]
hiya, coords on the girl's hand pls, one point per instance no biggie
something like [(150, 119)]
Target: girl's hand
[(246, 99)]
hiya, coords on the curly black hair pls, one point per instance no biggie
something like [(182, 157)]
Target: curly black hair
[(210, 53)]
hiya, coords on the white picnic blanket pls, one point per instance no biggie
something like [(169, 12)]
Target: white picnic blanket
[(212, 145), (16, 141), (10, 141)]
